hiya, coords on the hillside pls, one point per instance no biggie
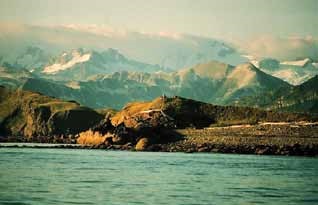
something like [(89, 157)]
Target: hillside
[(300, 98), (24, 113), (303, 97), (13, 76), (247, 80), (179, 124), (190, 113)]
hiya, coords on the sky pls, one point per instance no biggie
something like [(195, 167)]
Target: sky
[(211, 18)]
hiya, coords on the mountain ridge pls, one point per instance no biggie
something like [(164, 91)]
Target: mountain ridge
[(79, 64), (213, 82)]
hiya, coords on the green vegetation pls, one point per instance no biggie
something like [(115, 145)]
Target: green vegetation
[(301, 98), (191, 113), (24, 113)]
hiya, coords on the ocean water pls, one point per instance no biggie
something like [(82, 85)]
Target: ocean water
[(72, 176)]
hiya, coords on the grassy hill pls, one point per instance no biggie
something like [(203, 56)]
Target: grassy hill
[(30, 114), (191, 113)]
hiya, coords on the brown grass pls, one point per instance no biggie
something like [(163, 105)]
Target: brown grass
[(91, 138), (135, 107)]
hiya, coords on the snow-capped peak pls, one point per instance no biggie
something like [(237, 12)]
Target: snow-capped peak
[(297, 63), (77, 57), (252, 60)]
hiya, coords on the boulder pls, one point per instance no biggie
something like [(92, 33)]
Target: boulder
[(142, 144)]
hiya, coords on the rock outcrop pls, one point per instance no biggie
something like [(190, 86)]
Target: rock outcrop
[(153, 125)]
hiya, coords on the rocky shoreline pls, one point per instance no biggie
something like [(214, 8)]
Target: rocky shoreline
[(286, 150), (294, 139), (272, 138), (175, 125)]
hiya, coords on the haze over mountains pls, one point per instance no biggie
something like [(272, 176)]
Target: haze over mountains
[(104, 68), (168, 50), (79, 64)]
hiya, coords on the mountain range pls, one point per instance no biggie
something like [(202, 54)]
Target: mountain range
[(212, 82), (107, 68), (78, 64)]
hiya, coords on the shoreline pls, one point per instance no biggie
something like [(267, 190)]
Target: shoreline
[(294, 150), (289, 139), (40, 145)]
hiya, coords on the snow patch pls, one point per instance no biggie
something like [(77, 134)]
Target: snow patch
[(252, 60), (255, 63), (285, 74), (296, 63), (249, 57), (74, 85), (53, 69), (291, 76)]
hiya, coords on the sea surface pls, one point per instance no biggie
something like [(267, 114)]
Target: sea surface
[(78, 176)]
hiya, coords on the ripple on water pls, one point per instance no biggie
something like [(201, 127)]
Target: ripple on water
[(61, 176)]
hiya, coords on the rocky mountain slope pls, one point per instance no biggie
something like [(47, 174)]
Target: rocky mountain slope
[(300, 98)]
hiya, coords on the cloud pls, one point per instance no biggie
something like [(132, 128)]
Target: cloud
[(109, 31), (292, 48), (102, 30), (12, 27)]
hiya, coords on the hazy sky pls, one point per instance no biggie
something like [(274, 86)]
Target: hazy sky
[(237, 18)]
